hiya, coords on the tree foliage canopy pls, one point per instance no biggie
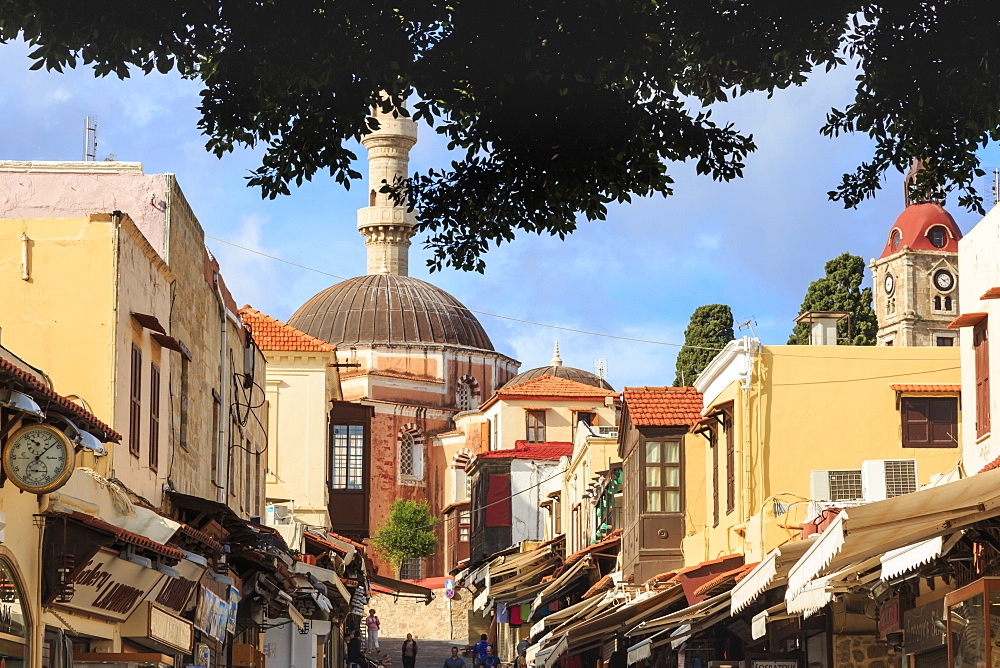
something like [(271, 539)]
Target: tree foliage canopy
[(710, 329), (557, 108), (407, 533), (840, 290)]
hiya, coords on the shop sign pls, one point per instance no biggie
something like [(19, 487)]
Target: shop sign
[(110, 587), (212, 615), (774, 663), (151, 623), (924, 628), (174, 593), (889, 618)]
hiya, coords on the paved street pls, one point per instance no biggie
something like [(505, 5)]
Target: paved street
[(431, 654)]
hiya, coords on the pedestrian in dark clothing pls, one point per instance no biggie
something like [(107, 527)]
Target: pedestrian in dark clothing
[(454, 661), (479, 650), (355, 657), (409, 652), (491, 660)]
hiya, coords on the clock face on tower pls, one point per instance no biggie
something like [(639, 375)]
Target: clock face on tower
[(38, 458), (890, 284), (943, 280)]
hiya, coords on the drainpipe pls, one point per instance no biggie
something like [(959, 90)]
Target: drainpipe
[(222, 455), (168, 186)]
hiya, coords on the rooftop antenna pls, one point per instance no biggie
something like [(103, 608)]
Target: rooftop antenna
[(748, 323), (90, 139), (601, 368), (996, 186)]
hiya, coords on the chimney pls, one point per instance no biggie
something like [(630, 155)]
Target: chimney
[(823, 326)]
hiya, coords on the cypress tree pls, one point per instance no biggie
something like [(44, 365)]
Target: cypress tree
[(710, 329), (840, 290)]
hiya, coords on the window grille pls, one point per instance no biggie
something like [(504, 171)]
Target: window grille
[(411, 569), (845, 485), (900, 477)]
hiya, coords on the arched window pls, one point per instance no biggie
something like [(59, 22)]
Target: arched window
[(937, 236), (937, 303), (464, 397), (947, 303), (411, 453), (895, 239), (371, 198), (14, 620)]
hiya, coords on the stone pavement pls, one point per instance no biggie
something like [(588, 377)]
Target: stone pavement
[(430, 654)]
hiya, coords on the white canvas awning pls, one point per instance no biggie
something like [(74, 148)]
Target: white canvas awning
[(911, 557), (875, 528), (640, 651), (769, 573)]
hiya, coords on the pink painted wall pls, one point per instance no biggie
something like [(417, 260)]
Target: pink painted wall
[(69, 189)]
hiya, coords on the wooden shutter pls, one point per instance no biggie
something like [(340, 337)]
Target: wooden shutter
[(713, 443), (943, 414), (498, 502), (980, 345), (154, 416), (727, 425), (484, 436), (916, 422), (135, 407)]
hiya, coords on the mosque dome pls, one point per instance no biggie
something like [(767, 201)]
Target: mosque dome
[(557, 369), (923, 226), (389, 309)]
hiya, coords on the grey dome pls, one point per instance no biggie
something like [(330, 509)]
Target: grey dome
[(567, 372), (389, 309)]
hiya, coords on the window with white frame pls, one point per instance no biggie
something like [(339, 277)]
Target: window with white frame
[(411, 453), (411, 569)]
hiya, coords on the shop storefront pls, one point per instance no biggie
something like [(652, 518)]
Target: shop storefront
[(973, 623), (14, 623), (924, 637)]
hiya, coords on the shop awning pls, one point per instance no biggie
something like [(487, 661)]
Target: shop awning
[(911, 557), (555, 588), (623, 617), (875, 528), (550, 655), (566, 614), (688, 615), (323, 575), (771, 572), (400, 588)]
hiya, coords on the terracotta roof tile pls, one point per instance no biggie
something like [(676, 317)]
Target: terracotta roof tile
[(38, 390), (551, 450), (729, 577), (272, 334), (926, 387), (663, 406), (967, 320), (552, 386), (612, 539), (995, 464), (992, 293)]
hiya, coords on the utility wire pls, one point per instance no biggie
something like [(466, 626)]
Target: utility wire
[(106, 184)]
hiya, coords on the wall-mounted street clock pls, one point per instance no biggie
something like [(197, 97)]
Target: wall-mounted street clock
[(890, 284), (38, 458)]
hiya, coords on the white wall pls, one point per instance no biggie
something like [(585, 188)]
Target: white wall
[(528, 520), (978, 271), (285, 647)]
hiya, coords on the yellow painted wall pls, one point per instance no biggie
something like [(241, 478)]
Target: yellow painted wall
[(71, 317), (558, 418), (298, 403), (809, 408)]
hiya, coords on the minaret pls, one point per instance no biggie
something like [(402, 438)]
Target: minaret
[(387, 228)]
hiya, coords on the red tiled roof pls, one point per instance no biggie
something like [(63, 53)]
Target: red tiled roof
[(553, 386), (613, 538), (729, 577), (272, 334), (662, 577), (127, 536), (926, 387), (604, 584), (551, 450), (36, 386), (995, 464), (967, 320), (663, 406), (992, 293)]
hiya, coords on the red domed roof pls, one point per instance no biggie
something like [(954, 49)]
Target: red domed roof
[(925, 226)]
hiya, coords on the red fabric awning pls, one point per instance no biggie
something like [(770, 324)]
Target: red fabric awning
[(498, 501), (967, 320)]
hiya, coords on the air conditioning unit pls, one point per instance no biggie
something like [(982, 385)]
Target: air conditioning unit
[(836, 485), (278, 514), (607, 430), (886, 478)]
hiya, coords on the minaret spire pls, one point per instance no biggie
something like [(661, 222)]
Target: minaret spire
[(556, 360), (387, 227)]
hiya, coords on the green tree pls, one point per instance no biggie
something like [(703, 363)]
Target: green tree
[(556, 108), (710, 329), (840, 290), (407, 533)]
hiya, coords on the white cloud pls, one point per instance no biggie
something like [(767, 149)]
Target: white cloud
[(56, 96)]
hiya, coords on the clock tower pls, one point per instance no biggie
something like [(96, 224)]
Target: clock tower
[(915, 279)]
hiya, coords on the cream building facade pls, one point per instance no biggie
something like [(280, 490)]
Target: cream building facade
[(798, 428)]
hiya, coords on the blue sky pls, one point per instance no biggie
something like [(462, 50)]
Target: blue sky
[(754, 244)]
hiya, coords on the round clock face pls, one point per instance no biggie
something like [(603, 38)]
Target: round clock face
[(38, 458), (943, 280), (890, 284)]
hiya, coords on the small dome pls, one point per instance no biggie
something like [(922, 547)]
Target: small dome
[(924, 226), (567, 372), (389, 309)]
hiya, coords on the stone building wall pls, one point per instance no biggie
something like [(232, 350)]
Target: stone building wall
[(864, 651), (400, 616)]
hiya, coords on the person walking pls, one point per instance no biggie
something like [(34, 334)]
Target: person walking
[(491, 660), (479, 650), (371, 621), (522, 652), (454, 661), (355, 657), (409, 652)]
